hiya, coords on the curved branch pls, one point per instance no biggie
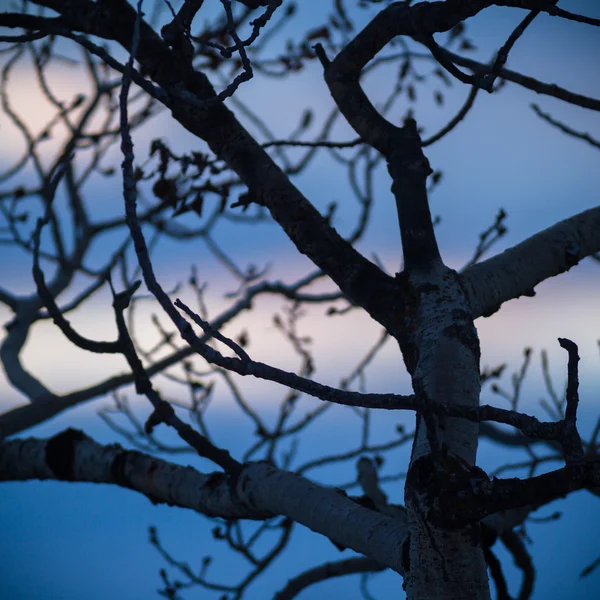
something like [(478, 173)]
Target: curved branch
[(10, 349), (339, 568), (100, 347), (458, 117)]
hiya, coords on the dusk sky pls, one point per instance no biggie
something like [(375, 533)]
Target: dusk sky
[(73, 541)]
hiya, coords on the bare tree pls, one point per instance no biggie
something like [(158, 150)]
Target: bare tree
[(441, 540)]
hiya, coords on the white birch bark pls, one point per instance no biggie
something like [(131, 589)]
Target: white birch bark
[(261, 490)]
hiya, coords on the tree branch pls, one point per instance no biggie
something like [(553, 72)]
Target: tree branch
[(50, 405), (519, 269), (193, 103), (539, 87), (581, 135), (260, 491), (339, 568), (481, 497), (73, 456)]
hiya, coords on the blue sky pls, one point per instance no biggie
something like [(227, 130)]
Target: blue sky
[(84, 541)]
